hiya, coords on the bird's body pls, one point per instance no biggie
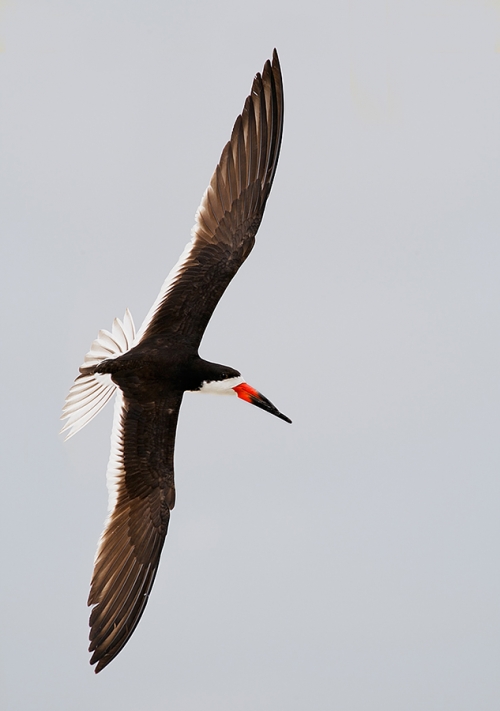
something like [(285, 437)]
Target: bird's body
[(150, 371)]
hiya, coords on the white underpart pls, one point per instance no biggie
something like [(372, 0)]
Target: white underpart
[(175, 273), (169, 282), (220, 387), (90, 393), (115, 473)]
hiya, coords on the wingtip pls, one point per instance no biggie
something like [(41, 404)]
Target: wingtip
[(100, 663)]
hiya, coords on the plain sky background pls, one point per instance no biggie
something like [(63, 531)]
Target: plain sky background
[(350, 561)]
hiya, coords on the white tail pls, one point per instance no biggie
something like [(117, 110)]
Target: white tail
[(91, 391)]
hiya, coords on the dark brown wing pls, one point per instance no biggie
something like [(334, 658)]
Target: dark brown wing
[(228, 217), (141, 488)]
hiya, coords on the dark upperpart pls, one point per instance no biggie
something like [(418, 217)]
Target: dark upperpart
[(151, 375)]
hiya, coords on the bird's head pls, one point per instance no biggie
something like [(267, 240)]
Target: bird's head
[(228, 381)]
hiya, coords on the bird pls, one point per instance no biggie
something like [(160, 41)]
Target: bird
[(149, 371)]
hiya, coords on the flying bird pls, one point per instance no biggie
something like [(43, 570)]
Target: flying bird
[(150, 371)]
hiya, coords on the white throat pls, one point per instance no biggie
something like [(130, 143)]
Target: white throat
[(221, 387)]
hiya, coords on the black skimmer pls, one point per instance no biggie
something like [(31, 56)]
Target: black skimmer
[(151, 370)]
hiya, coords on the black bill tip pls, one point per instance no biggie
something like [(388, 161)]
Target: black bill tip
[(254, 397)]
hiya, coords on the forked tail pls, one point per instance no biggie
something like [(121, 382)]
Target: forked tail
[(91, 391)]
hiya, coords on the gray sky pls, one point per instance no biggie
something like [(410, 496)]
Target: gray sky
[(349, 561)]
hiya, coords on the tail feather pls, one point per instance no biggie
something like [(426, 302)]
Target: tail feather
[(91, 391)]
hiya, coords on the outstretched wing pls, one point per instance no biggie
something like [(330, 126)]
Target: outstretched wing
[(141, 496), (228, 217)]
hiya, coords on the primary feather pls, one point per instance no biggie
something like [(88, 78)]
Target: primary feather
[(140, 471)]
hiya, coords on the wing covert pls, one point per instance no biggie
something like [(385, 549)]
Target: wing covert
[(142, 494), (228, 218)]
